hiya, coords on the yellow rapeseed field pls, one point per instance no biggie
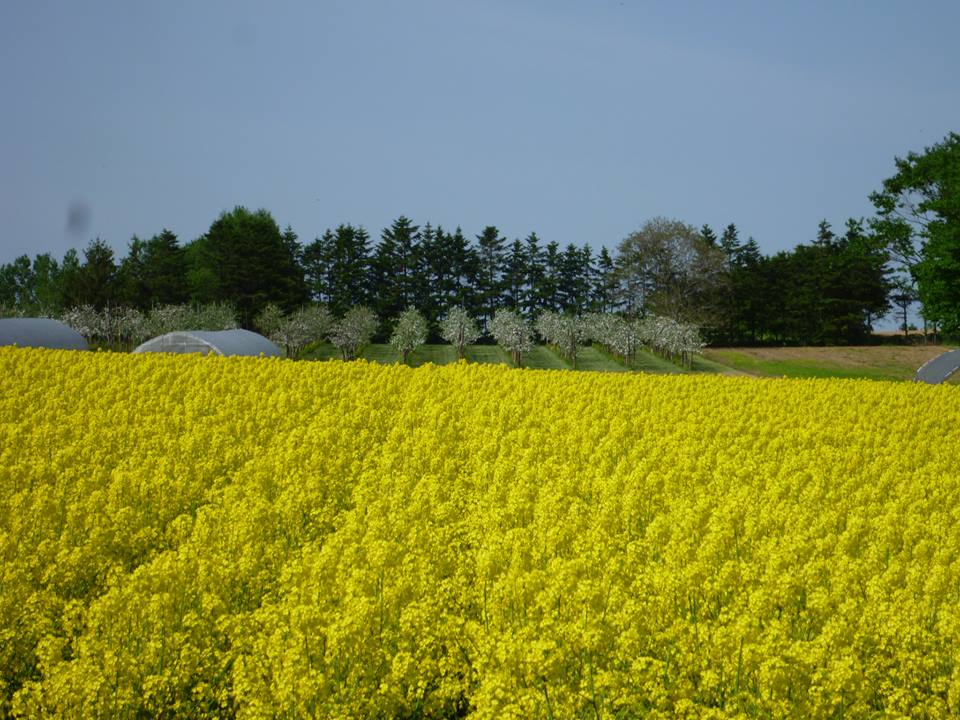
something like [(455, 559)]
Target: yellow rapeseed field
[(208, 537)]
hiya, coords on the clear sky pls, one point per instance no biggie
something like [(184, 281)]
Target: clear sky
[(579, 120)]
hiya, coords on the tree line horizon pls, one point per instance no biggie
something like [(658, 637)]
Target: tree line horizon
[(830, 290)]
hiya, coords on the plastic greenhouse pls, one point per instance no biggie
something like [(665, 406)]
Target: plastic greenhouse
[(40, 333), (218, 342)]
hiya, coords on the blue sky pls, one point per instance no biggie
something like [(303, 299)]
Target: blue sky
[(579, 120)]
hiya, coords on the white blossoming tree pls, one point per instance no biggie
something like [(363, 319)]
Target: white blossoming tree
[(354, 330), (672, 339), (565, 332), (85, 320), (296, 330), (459, 329), (213, 316), (409, 333), (618, 335), (512, 334)]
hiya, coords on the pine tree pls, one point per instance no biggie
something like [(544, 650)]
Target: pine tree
[(45, 288), (568, 285), (586, 279), (70, 279), (165, 270), (98, 280), (318, 263), (489, 279), (443, 272), (707, 233), (747, 290), (465, 267), (548, 290), (730, 243), (346, 267), (535, 271), (131, 277), (15, 281), (395, 263), (514, 276), (604, 284), (869, 273), (438, 281), (359, 268)]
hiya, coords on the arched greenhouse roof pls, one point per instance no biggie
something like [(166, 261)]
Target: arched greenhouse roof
[(40, 333), (219, 342), (940, 368)]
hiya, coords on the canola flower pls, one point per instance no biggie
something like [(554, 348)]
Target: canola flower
[(236, 537)]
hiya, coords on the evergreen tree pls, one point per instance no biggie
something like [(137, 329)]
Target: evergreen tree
[(395, 266), (45, 291), (70, 279), (291, 274), (514, 276), (747, 292), (535, 271), (569, 281), (548, 291), (489, 279), (442, 274), (132, 286), (869, 273), (465, 267), (200, 277), (604, 284), (251, 263), (707, 233), (96, 282), (730, 243), (15, 281), (351, 261), (359, 268), (424, 294), (165, 270), (317, 266), (438, 287)]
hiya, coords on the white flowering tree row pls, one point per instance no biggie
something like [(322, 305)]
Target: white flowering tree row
[(664, 336), (622, 337), (565, 332), (672, 339), (126, 327)]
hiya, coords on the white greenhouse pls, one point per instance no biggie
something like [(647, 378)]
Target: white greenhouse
[(218, 342), (40, 333)]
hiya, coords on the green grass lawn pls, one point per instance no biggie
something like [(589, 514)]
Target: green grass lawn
[(592, 359), (839, 362), (646, 361), (436, 354), (701, 364), (487, 354), (804, 368), (544, 358)]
